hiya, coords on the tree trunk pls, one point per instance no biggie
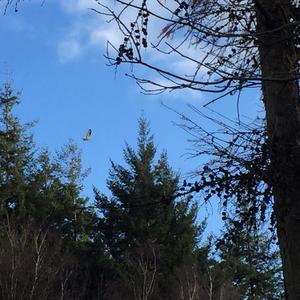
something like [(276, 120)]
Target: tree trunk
[(279, 63)]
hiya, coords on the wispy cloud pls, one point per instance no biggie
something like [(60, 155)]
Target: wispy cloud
[(77, 6), (68, 50), (89, 31)]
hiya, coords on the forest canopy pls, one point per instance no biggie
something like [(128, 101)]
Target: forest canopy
[(145, 234), (140, 242)]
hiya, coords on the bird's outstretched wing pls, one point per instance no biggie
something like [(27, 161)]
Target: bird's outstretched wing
[(88, 135)]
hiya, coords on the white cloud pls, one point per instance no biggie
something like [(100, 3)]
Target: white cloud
[(87, 31), (103, 33), (91, 31), (84, 35), (68, 50), (77, 6), (183, 95)]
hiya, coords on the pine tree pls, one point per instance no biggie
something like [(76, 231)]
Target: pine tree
[(36, 185), (16, 154), (252, 263), (54, 192), (143, 219)]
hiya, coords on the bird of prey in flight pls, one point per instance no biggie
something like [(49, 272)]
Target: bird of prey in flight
[(88, 135)]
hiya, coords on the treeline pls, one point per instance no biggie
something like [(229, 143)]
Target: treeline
[(142, 242)]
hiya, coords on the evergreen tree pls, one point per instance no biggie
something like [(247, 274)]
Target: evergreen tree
[(252, 263), (46, 227), (143, 218), (16, 154), (35, 184), (54, 192)]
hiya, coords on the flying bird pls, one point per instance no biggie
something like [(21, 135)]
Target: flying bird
[(88, 135)]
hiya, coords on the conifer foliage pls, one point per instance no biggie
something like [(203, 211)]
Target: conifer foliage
[(143, 218), (42, 212), (252, 263), (139, 243)]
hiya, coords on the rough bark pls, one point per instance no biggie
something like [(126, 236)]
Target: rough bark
[(279, 63)]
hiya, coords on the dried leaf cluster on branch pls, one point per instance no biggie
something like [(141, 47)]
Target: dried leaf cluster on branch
[(238, 174)]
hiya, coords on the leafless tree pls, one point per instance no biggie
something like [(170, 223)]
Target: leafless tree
[(229, 46), (33, 263), (189, 282), (195, 283), (14, 4), (142, 272)]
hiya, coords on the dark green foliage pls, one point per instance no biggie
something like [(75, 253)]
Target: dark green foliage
[(143, 214), (253, 263), (142, 242), (45, 224), (33, 184), (239, 176), (16, 155)]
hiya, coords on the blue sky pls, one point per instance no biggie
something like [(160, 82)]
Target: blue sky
[(54, 54)]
